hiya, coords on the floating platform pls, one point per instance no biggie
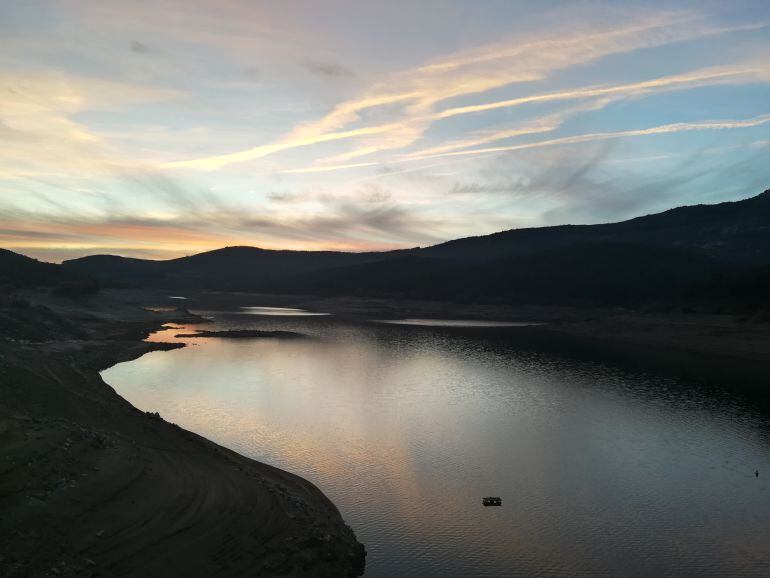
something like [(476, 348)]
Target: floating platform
[(492, 501)]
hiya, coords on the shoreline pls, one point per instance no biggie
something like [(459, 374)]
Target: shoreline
[(90, 485)]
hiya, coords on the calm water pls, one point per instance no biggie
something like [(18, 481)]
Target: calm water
[(407, 427)]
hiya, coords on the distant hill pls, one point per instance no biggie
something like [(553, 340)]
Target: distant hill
[(704, 251), (600, 274), (21, 271), (737, 232), (227, 269)]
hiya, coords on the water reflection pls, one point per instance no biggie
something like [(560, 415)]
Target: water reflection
[(405, 428), (457, 323), (280, 311)]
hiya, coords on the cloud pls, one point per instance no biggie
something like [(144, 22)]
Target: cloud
[(186, 219), (591, 137), (39, 110), (368, 219), (598, 199), (281, 197), (537, 175), (138, 47), (326, 69), (707, 76), (417, 91), (326, 168), (541, 125), (581, 184), (253, 73), (218, 161), (599, 97)]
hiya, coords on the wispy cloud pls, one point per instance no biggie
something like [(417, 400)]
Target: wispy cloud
[(344, 223), (596, 98), (583, 138), (326, 168), (219, 161), (326, 69), (688, 80), (39, 111), (419, 90)]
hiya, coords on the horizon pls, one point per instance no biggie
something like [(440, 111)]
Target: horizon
[(306, 127)]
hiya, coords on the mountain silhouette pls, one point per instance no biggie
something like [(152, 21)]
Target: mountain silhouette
[(20, 271), (737, 231), (701, 252)]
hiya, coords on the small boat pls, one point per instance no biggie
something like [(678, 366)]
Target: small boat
[(491, 501)]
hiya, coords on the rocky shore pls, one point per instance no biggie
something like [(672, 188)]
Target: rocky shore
[(91, 486)]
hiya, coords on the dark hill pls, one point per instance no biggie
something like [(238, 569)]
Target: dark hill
[(656, 258), (401, 276), (736, 231), (227, 269), (20, 271), (585, 274)]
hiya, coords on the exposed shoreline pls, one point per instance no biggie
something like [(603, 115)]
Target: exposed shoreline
[(89, 485)]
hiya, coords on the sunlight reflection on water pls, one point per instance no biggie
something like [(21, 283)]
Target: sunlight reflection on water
[(280, 312), (457, 323)]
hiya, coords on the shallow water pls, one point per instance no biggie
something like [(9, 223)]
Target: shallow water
[(602, 471), (457, 323), (280, 311)]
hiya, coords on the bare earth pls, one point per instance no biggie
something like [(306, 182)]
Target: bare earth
[(91, 486)]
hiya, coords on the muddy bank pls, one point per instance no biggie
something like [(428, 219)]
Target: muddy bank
[(91, 486)]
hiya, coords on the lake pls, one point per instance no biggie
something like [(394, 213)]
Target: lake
[(406, 426)]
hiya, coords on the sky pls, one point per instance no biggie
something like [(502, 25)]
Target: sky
[(164, 128)]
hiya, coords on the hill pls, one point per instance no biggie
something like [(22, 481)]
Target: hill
[(737, 232), (20, 271), (592, 274), (227, 269), (696, 251)]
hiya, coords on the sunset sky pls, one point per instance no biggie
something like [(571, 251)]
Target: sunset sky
[(164, 128)]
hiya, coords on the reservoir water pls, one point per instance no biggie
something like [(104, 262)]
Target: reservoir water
[(406, 426)]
